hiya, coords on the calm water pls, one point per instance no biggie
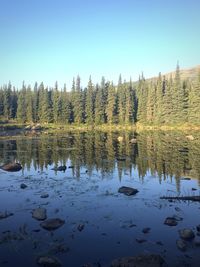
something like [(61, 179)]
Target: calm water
[(87, 193)]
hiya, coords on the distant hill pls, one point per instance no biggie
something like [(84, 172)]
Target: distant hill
[(190, 74)]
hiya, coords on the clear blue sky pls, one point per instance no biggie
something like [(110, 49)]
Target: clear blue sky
[(49, 40)]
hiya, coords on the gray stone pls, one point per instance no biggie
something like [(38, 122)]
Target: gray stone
[(52, 224), (170, 221), (39, 214), (48, 261), (4, 215), (128, 191), (146, 230), (186, 234), (80, 227), (23, 186), (181, 244), (45, 195), (151, 260), (11, 167)]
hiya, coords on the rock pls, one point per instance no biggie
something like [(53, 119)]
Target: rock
[(146, 230), (197, 242), (186, 178), (60, 168), (28, 128), (133, 141), (140, 240), (198, 228), (11, 167), (186, 234), (23, 186), (120, 138), (36, 127), (128, 191), (151, 260), (181, 244), (194, 189), (52, 224), (45, 195), (4, 215), (80, 227), (190, 137), (48, 261), (39, 214), (171, 221)]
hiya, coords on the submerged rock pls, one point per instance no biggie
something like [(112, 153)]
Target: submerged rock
[(152, 260), (11, 167), (60, 168), (128, 191), (48, 261), (146, 230), (198, 228), (133, 141), (45, 195), (171, 221), (23, 186), (181, 244), (39, 214), (4, 215), (186, 234), (52, 224), (80, 227)]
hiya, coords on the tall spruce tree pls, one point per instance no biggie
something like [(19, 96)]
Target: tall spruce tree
[(89, 105), (111, 104)]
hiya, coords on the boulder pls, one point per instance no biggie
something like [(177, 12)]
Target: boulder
[(23, 186), (120, 138), (190, 137), (170, 221), (52, 224), (128, 191), (181, 245), (11, 167), (186, 234), (39, 214), (151, 260), (60, 168), (48, 261)]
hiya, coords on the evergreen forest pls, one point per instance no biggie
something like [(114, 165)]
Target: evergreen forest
[(158, 101)]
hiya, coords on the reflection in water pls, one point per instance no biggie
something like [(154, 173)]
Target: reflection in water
[(163, 154), (86, 197)]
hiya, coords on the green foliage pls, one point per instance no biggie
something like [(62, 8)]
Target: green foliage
[(158, 101)]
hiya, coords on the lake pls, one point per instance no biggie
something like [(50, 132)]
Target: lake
[(101, 224)]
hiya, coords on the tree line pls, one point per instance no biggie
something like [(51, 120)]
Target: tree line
[(163, 100)]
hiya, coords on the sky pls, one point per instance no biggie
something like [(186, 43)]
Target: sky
[(56, 40)]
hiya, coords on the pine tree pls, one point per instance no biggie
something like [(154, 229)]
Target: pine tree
[(78, 105), (194, 101), (99, 106), (159, 100), (1, 101), (111, 104), (89, 105), (35, 102), (7, 102), (151, 103), (129, 104), (21, 105), (56, 104), (65, 106), (142, 100), (29, 105)]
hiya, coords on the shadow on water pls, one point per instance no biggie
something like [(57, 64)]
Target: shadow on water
[(100, 224)]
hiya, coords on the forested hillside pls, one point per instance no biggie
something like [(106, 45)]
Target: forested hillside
[(165, 100)]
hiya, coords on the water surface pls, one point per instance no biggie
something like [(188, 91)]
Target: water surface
[(87, 194)]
